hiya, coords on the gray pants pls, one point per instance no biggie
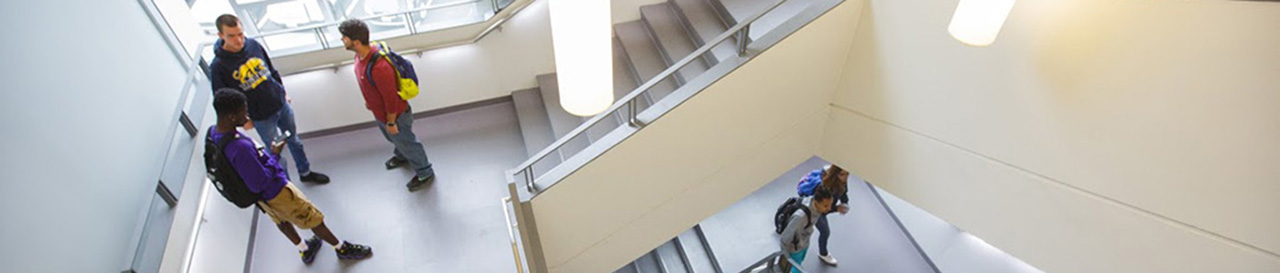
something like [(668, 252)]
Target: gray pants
[(407, 146)]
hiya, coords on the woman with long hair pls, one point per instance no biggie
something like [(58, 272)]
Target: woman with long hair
[(835, 180)]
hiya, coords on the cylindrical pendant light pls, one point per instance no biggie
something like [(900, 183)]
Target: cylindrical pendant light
[(977, 22), (582, 40)]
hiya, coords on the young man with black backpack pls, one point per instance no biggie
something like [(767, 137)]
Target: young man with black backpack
[(799, 226), (247, 174), (387, 81)]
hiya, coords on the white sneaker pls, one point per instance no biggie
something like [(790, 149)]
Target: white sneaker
[(828, 259)]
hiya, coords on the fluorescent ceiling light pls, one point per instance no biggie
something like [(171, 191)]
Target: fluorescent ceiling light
[(977, 22), (582, 40)]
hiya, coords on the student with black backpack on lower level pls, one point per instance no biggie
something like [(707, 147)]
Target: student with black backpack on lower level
[(834, 180), (799, 226), (247, 174)]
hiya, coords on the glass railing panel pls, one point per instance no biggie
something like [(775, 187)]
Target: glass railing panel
[(292, 42), (463, 12)]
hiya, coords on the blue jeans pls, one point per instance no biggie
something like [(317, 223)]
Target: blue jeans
[(407, 146), (824, 233), (271, 127), (799, 257)]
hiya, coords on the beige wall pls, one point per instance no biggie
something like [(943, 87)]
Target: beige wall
[(704, 155), (505, 61), (1093, 136), (629, 10)]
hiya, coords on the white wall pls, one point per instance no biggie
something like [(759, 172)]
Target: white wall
[(951, 249), (90, 89), (505, 61), (1093, 136), (714, 149)]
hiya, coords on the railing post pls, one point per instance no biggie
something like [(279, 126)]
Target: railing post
[(187, 124), (773, 261), (743, 39), (324, 43), (631, 114), (408, 18), (528, 178)]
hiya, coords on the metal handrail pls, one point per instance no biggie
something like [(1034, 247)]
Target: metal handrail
[(771, 260), (399, 13), (629, 101), (187, 88), (191, 70), (515, 250)]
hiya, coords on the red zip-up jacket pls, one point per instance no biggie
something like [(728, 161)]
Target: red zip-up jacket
[(385, 98)]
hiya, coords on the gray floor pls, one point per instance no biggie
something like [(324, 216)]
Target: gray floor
[(865, 240), (454, 225)]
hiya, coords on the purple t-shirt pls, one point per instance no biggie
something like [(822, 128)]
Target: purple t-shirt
[(260, 170)]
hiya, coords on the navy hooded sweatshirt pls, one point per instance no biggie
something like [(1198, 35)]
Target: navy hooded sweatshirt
[(251, 72)]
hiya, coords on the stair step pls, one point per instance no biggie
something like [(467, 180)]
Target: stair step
[(649, 263), (645, 58), (699, 259), (723, 12), (671, 258), (740, 10), (624, 81), (673, 39), (532, 117), (629, 268), (701, 17), (625, 78), (535, 125), (561, 121)]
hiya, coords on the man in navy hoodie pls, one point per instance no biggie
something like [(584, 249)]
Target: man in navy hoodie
[(243, 64)]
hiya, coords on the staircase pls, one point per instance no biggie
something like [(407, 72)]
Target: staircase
[(687, 253), (642, 49), (674, 51)]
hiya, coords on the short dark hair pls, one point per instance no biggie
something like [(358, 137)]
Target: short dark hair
[(228, 101), (226, 20), (822, 194), (355, 30)]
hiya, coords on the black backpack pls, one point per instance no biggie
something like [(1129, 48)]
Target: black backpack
[(224, 177), (785, 211)]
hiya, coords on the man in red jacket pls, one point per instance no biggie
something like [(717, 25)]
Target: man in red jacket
[(382, 97)]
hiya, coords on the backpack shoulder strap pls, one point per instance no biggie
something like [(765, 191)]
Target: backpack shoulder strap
[(386, 53), (807, 216), (382, 51), (368, 73), (222, 145)]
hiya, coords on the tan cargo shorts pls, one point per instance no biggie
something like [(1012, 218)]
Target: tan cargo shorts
[(293, 207)]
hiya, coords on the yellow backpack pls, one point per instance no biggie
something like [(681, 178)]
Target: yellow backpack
[(406, 77)]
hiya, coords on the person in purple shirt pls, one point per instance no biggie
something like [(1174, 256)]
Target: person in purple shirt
[(261, 171)]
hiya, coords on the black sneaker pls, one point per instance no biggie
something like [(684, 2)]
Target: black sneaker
[(315, 177), (395, 162), (354, 251), (313, 247), (417, 183)]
